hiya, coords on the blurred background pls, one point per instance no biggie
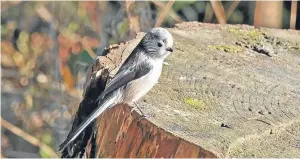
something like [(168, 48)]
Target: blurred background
[(46, 48)]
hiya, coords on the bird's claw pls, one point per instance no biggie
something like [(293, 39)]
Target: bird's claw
[(144, 117), (132, 109), (137, 107), (140, 119)]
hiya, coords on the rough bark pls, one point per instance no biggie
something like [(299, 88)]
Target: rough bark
[(228, 91)]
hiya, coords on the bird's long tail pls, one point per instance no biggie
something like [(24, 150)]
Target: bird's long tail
[(78, 146), (107, 102)]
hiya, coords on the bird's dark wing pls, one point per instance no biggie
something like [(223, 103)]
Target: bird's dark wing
[(86, 107), (127, 73)]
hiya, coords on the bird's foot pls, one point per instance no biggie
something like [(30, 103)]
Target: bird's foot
[(144, 117), (137, 107), (134, 108)]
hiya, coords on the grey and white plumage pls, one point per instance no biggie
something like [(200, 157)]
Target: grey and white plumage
[(137, 75)]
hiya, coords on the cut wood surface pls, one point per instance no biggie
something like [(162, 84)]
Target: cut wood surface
[(227, 91)]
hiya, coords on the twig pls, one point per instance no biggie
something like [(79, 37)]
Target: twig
[(164, 13), (6, 5), (20, 154), (103, 35), (219, 11), (28, 137), (268, 14), (171, 12), (133, 20), (293, 15), (91, 52), (232, 8), (44, 13), (208, 13), (158, 4)]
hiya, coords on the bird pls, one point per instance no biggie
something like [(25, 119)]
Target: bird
[(94, 86), (135, 78)]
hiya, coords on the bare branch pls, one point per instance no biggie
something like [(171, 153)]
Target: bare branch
[(268, 14), (133, 19), (293, 15), (208, 13), (164, 13), (28, 137), (171, 12), (232, 8), (219, 11)]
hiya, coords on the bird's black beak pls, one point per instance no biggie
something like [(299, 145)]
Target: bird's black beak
[(169, 49)]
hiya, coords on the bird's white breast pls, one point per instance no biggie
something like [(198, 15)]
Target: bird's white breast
[(140, 87)]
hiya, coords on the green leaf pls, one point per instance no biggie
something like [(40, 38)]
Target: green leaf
[(4, 30), (77, 62), (44, 154), (73, 26), (47, 138)]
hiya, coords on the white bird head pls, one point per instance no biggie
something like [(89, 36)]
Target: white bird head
[(158, 43)]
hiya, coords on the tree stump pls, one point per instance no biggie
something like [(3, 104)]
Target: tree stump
[(227, 91)]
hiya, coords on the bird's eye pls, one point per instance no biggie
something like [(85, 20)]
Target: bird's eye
[(159, 44)]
